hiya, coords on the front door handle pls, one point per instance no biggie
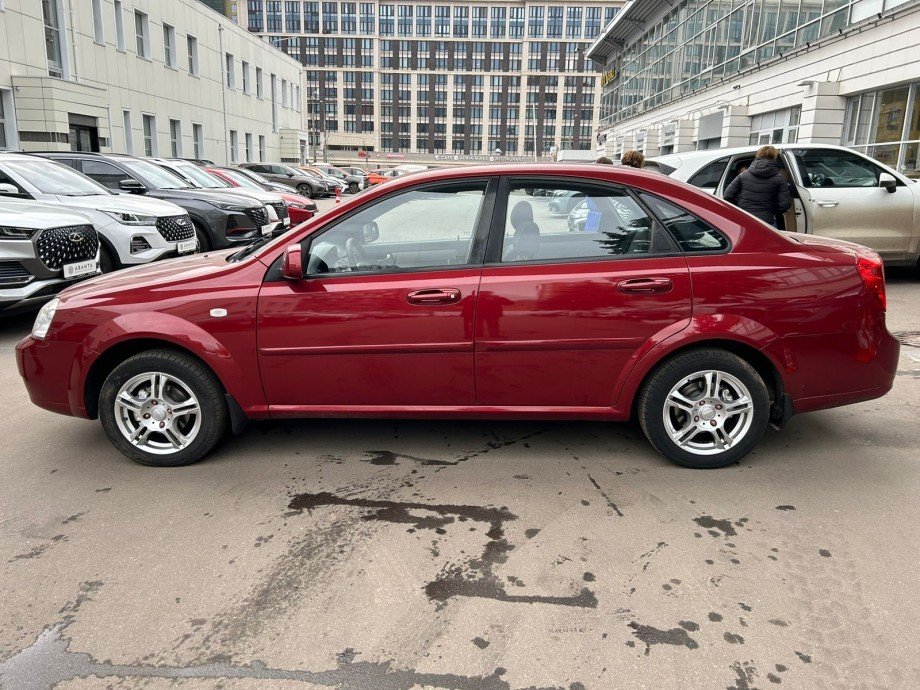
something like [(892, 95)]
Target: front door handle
[(826, 203), (434, 296), (646, 286)]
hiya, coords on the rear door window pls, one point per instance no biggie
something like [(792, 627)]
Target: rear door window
[(104, 173)]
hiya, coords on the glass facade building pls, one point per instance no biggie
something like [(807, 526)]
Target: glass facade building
[(445, 78)]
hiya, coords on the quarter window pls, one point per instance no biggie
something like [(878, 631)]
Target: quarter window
[(422, 228), (692, 234), (577, 222)]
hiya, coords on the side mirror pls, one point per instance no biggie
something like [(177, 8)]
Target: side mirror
[(292, 263), (371, 231), (290, 174), (7, 189), (131, 185), (887, 181)]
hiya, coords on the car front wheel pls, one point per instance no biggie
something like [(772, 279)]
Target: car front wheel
[(162, 408), (305, 190), (704, 408)]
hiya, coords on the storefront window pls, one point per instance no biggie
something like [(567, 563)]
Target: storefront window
[(886, 125)]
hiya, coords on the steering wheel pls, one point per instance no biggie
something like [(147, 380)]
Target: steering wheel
[(817, 180), (354, 250)]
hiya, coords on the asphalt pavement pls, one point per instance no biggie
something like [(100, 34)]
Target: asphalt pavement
[(464, 555)]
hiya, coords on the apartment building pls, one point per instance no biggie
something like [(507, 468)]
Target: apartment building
[(145, 77), (698, 74), (463, 79)]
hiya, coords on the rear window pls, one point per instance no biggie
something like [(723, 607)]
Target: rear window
[(691, 233)]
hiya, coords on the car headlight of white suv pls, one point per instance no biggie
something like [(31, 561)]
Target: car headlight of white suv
[(44, 318), (130, 218)]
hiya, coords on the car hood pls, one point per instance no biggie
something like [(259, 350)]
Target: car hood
[(124, 203), (212, 196), (151, 276), (258, 195), (26, 214)]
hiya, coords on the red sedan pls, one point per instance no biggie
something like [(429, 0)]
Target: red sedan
[(299, 207), (457, 293)]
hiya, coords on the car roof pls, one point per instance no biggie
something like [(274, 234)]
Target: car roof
[(676, 160)]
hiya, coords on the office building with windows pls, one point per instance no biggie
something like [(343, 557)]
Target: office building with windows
[(698, 74), (467, 78), (146, 78)]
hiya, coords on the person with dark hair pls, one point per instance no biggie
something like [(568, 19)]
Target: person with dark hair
[(603, 160), (633, 159), (761, 190)]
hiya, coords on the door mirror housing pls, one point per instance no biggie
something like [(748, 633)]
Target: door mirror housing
[(370, 231), (131, 185), (6, 189), (888, 182), (292, 262)]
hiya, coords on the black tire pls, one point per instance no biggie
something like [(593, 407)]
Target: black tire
[(654, 394), (202, 240), (107, 260), (353, 188), (192, 374), (305, 190)]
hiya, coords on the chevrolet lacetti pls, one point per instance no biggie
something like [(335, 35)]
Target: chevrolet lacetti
[(460, 293)]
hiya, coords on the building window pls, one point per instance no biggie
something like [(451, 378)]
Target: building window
[(129, 132), (254, 12), (231, 74), (886, 125), (233, 145), (248, 140), (273, 16), (175, 138), (259, 89), (192, 44), (119, 26), (245, 72), (776, 127), (292, 16), (150, 135), (198, 141), (7, 133), (54, 50), (142, 34), (261, 147), (98, 31), (274, 95), (169, 46)]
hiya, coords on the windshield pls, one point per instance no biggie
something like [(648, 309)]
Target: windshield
[(287, 170), (240, 179), (335, 173), (253, 175), (54, 178), (155, 176), (202, 177)]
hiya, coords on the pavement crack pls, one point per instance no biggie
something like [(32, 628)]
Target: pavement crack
[(610, 503)]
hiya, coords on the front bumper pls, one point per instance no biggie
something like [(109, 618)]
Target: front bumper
[(30, 296), (49, 370)]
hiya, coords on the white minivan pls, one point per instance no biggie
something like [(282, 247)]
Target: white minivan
[(836, 192), (133, 230)]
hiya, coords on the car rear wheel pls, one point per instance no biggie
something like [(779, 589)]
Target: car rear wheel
[(305, 190), (353, 188), (162, 408), (704, 409)]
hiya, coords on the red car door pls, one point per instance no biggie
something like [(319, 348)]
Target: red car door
[(384, 315), (566, 300)]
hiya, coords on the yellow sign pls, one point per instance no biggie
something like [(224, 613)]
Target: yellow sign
[(608, 76)]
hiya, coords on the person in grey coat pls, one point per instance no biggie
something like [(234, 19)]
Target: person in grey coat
[(761, 190)]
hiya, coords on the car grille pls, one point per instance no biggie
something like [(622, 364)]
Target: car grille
[(175, 228), (12, 273), (280, 209), (259, 216), (59, 246)]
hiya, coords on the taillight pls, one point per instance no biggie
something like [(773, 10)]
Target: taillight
[(872, 273)]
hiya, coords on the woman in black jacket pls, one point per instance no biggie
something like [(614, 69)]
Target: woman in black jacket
[(761, 190)]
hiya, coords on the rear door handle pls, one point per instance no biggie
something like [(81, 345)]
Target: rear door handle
[(434, 296), (646, 286), (826, 203)]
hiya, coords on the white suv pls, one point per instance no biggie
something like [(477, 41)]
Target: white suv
[(133, 230), (42, 250)]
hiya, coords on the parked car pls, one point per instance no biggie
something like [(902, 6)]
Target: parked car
[(306, 185), (353, 183), (300, 208), (563, 203), (218, 220), (445, 291), (332, 183), (42, 250), (199, 177), (265, 183), (836, 192), (376, 177), (353, 170), (132, 230), (578, 217)]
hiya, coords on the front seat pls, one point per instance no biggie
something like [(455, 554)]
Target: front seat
[(525, 242)]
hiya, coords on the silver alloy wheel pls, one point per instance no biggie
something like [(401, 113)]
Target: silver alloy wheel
[(158, 413), (708, 412)]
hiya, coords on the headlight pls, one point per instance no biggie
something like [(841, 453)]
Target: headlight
[(10, 233), (228, 206), (130, 218), (44, 318), (294, 204)]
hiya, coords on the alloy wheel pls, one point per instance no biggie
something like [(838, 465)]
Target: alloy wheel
[(157, 413)]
